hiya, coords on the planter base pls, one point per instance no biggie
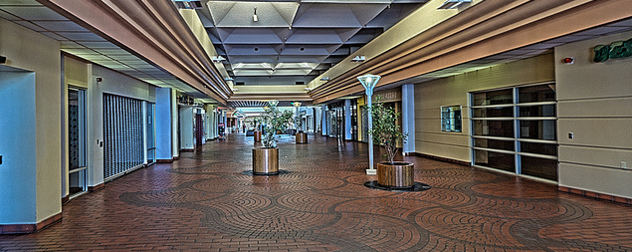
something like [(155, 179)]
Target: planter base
[(396, 174), (257, 136), (417, 187), (281, 172), (265, 161), (301, 138)]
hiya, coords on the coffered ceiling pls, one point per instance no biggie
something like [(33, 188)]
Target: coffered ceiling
[(292, 42)]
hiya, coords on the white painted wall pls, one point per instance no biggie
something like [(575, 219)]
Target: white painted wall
[(595, 103), (28, 50)]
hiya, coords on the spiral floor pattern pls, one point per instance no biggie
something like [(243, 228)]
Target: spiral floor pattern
[(206, 202)]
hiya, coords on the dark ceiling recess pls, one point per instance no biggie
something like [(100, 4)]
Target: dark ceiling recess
[(291, 40)]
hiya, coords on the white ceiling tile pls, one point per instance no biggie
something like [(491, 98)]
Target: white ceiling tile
[(33, 13), (30, 25), (81, 36), (61, 26), (53, 36)]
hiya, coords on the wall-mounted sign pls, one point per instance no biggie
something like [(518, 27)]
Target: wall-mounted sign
[(616, 50), (391, 95)]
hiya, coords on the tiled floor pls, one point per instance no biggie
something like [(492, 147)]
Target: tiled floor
[(204, 202)]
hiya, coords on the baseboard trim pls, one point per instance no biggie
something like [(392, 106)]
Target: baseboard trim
[(29, 228), (590, 194), (164, 160), (444, 159), (187, 150), (65, 199), (96, 187), (176, 158)]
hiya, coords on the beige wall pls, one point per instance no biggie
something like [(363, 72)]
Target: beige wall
[(430, 96), (595, 104), (26, 49)]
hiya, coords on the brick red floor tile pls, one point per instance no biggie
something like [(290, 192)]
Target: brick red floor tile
[(205, 202)]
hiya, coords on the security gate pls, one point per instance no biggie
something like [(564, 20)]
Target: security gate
[(123, 135)]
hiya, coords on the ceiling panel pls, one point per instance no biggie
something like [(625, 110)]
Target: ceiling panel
[(293, 31)]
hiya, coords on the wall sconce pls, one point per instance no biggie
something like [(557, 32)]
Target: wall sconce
[(255, 18)]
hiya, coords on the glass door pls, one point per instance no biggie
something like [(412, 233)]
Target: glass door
[(77, 141)]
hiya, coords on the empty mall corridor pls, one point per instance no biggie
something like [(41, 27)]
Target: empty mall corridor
[(208, 201)]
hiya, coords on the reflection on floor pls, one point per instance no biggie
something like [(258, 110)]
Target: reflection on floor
[(204, 202)]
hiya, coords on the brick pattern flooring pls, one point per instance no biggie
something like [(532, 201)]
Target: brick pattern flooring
[(203, 202)]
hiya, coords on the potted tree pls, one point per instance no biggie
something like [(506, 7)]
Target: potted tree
[(265, 160), (301, 137), (386, 132), (257, 132)]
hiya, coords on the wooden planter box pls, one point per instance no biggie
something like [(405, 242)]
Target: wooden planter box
[(301, 138), (396, 174), (265, 161), (257, 136)]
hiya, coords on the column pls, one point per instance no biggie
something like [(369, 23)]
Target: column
[(408, 117), (347, 119), (163, 125)]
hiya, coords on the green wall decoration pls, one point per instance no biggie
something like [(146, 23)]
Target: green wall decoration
[(616, 50)]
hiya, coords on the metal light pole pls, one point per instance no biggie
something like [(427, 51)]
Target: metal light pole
[(368, 82)]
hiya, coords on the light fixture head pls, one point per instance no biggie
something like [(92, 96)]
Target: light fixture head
[(452, 4), (217, 59), (273, 103), (369, 81), (358, 59), (296, 104), (255, 18)]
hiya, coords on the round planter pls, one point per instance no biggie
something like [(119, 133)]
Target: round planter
[(396, 174), (257, 136), (301, 138), (265, 161)]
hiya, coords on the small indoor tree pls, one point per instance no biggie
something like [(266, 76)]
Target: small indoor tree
[(385, 129), (274, 120)]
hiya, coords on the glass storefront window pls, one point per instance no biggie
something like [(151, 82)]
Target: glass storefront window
[(532, 114), (494, 144), (540, 93), (537, 111), (493, 98), (539, 148), (493, 112), (497, 128), (497, 160), (538, 129), (539, 167)]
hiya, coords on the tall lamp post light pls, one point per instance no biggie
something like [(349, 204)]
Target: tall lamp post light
[(368, 82)]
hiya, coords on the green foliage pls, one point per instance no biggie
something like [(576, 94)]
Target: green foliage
[(257, 121), (385, 130), (274, 120), (298, 123)]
